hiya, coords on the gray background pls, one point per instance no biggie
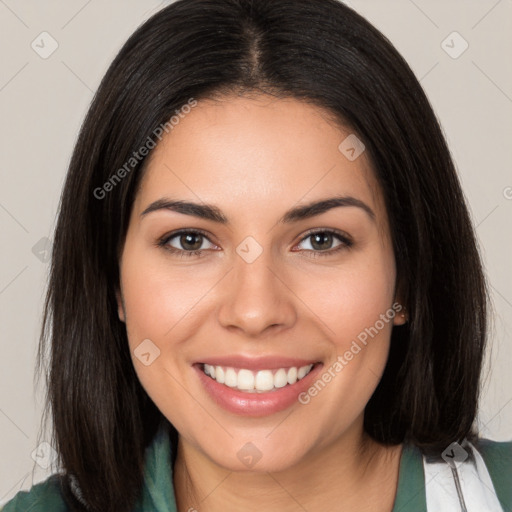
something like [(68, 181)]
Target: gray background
[(43, 102)]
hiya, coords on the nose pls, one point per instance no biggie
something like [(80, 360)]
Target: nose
[(256, 298)]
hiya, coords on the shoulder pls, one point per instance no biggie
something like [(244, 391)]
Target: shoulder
[(483, 477), (45, 496), (496, 453), (497, 456), (477, 472)]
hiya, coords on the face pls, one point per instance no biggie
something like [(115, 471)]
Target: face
[(288, 308)]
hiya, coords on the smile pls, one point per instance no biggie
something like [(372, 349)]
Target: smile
[(260, 381), (256, 386)]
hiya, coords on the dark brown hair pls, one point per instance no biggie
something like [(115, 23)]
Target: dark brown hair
[(317, 51)]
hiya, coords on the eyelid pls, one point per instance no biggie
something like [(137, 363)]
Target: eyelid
[(173, 234), (345, 239)]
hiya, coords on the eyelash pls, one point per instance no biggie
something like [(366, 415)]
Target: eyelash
[(346, 242)]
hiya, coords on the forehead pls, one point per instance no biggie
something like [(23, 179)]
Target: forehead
[(258, 152)]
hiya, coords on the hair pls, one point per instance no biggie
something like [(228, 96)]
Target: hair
[(320, 52)]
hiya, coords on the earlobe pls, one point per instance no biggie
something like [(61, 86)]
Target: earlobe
[(401, 316), (120, 306)]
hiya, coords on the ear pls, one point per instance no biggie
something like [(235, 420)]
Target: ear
[(120, 306), (401, 313)]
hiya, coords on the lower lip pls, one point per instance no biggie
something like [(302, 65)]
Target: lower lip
[(256, 404)]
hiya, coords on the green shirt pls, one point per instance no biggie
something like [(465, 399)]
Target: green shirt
[(158, 492)]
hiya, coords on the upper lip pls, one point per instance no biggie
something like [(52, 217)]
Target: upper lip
[(256, 363)]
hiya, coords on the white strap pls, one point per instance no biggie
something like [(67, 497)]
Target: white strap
[(474, 482)]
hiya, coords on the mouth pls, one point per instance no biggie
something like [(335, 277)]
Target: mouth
[(261, 381), (260, 387)]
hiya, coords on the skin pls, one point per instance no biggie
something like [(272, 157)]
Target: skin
[(254, 158)]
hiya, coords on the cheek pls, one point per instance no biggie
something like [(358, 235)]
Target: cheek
[(156, 303), (356, 307), (158, 298), (353, 297)]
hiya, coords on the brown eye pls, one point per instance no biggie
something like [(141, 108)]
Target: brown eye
[(185, 242), (321, 241), (191, 241)]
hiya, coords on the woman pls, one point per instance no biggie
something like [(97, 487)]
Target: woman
[(265, 290)]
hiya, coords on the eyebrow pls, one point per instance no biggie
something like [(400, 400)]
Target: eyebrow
[(298, 213)]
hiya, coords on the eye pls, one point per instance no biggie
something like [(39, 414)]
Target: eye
[(190, 240), (322, 242)]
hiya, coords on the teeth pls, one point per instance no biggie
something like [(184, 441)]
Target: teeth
[(301, 373), (280, 378), (264, 380), (245, 380), (219, 375), (292, 375), (231, 378), (256, 382)]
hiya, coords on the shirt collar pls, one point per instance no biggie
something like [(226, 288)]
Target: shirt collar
[(410, 493), (158, 490)]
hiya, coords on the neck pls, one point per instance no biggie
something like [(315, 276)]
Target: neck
[(354, 472)]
